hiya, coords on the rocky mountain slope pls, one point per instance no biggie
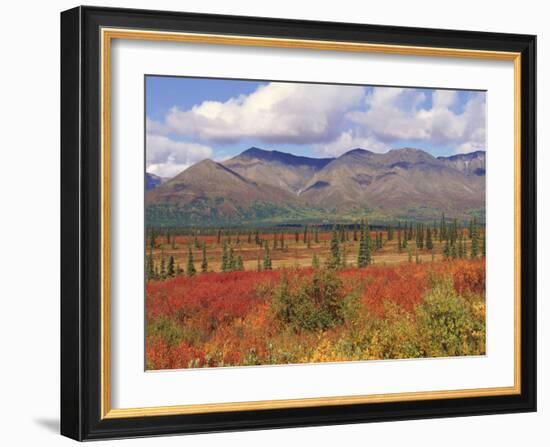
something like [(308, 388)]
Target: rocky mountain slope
[(263, 186)]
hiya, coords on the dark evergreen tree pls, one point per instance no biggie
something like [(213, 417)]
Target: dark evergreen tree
[(399, 246), (171, 269), (204, 262), (162, 272), (429, 242), (267, 258), (364, 255), (474, 249), (460, 245), (454, 251), (225, 258), (190, 263), (232, 260), (334, 259), (446, 250)]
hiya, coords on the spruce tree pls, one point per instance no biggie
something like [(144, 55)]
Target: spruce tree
[(454, 252), (171, 271), (267, 258), (305, 234), (204, 262), (162, 272), (399, 247), (442, 225), (334, 260), (225, 258), (190, 264), (232, 260), (429, 243), (364, 254), (474, 250), (149, 268)]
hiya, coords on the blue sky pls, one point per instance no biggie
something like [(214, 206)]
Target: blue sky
[(189, 119)]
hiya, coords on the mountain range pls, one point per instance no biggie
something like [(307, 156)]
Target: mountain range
[(272, 187)]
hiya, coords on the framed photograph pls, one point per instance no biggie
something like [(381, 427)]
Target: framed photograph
[(275, 223)]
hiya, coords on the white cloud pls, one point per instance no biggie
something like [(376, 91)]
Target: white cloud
[(470, 146), (330, 118), (166, 157), (273, 113), (396, 114), (348, 140)]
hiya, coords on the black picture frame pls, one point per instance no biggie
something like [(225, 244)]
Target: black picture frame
[(81, 223)]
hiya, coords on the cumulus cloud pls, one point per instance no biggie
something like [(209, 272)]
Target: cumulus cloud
[(350, 139), (273, 113), (331, 119), (167, 157), (394, 114)]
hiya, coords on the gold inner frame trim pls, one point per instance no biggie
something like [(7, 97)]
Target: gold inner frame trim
[(107, 35)]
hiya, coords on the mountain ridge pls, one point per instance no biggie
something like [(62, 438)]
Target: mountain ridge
[(262, 184)]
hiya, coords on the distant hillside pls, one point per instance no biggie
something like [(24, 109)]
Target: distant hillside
[(286, 171), (470, 164), (397, 182), (152, 181), (210, 193), (262, 187)]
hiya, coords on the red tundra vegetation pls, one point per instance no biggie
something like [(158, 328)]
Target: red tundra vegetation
[(315, 314)]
